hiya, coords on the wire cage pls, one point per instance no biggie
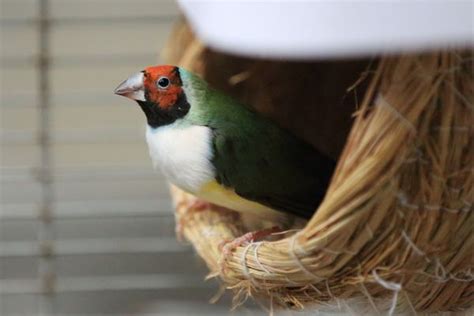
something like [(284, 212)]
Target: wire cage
[(394, 232)]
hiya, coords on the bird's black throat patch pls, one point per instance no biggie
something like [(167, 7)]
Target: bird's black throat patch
[(157, 116)]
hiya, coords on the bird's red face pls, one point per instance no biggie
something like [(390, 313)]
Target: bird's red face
[(163, 85), (159, 92)]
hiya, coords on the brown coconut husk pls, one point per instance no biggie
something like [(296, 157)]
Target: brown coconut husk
[(395, 227)]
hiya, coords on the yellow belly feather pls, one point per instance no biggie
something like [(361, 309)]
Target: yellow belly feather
[(215, 193)]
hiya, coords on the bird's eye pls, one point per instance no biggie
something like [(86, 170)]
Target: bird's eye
[(163, 83)]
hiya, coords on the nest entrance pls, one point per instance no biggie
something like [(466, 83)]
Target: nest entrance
[(395, 228)]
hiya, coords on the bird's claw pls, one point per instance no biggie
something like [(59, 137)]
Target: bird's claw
[(228, 246), (193, 206), (198, 205)]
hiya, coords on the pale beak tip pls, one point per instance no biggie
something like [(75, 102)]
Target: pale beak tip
[(121, 89), (118, 91), (132, 88)]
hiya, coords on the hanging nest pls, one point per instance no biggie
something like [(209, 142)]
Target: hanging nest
[(395, 230)]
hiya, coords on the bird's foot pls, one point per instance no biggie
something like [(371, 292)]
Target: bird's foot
[(229, 246), (193, 206), (197, 205)]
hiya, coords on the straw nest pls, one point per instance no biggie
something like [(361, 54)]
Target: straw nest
[(395, 228)]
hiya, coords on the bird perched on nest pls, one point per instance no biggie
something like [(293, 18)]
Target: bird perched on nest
[(209, 145)]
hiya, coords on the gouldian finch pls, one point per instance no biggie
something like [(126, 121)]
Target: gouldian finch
[(208, 144)]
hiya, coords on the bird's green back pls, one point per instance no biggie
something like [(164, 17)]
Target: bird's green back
[(258, 159)]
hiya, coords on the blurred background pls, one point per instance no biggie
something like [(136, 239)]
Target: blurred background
[(86, 226)]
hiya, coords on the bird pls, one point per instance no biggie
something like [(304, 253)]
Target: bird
[(210, 145)]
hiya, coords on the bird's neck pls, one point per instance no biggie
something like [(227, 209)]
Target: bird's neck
[(156, 116)]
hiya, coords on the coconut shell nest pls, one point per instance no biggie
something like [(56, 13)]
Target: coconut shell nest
[(395, 230)]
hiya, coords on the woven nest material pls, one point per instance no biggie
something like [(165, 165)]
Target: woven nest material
[(395, 229)]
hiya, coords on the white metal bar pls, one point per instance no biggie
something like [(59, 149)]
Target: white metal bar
[(99, 60), (106, 283), (91, 246), (159, 207), (97, 20), (73, 98), (71, 136), (27, 214), (28, 99), (84, 173)]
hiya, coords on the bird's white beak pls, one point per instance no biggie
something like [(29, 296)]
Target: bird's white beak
[(132, 88)]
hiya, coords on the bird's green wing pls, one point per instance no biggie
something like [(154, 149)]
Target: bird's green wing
[(264, 163)]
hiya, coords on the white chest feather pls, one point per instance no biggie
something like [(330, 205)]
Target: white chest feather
[(183, 154)]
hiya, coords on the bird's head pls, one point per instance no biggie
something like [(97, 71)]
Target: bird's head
[(160, 93)]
